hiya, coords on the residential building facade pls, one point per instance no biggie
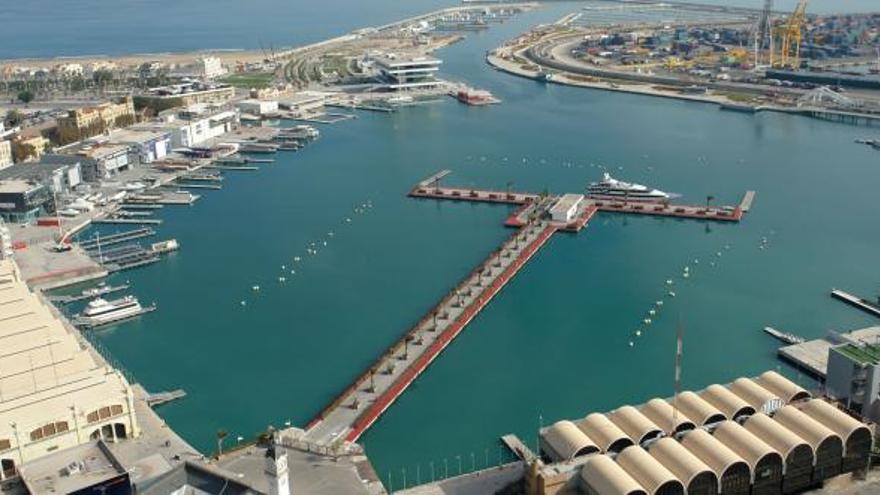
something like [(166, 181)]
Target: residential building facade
[(86, 122), (854, 377)]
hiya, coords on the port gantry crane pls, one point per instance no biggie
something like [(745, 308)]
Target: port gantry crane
[(791, 33)]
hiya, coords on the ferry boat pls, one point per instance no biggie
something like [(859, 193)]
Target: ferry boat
[(476, 97), (611, 188), (103, 312)]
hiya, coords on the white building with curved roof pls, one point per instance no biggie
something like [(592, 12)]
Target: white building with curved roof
[(857, 438), (635, 424), (755, 395), (54, 393), (797, 454), (564, 441), (697, 409), (602, 476), (695, 475), (781, 386), (671, 420), (649, 472), (827, 445), (731, 405), (608, 436), (733, 472), (765, 462)]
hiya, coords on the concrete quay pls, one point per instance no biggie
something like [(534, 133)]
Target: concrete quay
[(812, 356)]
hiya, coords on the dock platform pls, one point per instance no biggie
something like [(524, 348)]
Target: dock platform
[(360, 405), (859, 302), (118, 238), (160, 398), (746, 203), (812, 355), (518, 448)]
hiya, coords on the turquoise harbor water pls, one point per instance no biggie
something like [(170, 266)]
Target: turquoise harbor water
[(555, 343)]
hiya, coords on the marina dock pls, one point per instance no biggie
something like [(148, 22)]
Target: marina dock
[(119, 238), (159, 398), (361, 404), (859, 302), (788, 338)]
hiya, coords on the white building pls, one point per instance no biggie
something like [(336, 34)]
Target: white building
[(54, 394), (147, 146), (194, 126), (401, 72), (565, 209), (257, 107), (211, 67), (5, 154)]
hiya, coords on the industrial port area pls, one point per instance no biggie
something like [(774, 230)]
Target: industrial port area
[(102, 156), (742, 59)]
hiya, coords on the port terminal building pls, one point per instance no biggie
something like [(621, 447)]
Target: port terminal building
[(762, 435), (55, 394)]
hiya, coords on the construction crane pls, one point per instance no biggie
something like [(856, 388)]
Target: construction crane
[(763, 33), (791, 34)]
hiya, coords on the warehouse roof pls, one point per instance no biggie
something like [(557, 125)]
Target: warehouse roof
[(635, 424), (813, 432), (730, 404), (757, 396), (745, 444), (568, 441), (606, 434), (679, 460), (774, 434), (670, 420), (834, 419), (648, 472), (697, 409), (783, 387), (712, 452), (608, 478)]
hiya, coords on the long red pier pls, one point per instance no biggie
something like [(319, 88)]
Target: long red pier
[(361, 404)]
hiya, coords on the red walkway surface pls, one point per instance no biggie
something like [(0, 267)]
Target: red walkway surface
[(370, 415)]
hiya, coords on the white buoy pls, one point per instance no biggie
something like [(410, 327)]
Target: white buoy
[(718, 254), (638, 333), (293, 272), (348, 220), (671, 294), (631, 343), (669, 281), (686, 275), (244, 303), (647, 321), (696, 261), (255, 288), (282, 279), (659, 303), (687, 269), (284, 267), (331, 234), (652, 312), (296, 258)]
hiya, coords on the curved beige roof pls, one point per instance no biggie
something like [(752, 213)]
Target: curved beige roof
[(782, 386), (711, 451), (677, 459), (567, 440), (634, 423), (756, 395), (730, 404), (833, 418), (608, 478), (745, 444), (663, 415), (774, 434), (813, 432), (602, 431), (697, 409), (646, 470)]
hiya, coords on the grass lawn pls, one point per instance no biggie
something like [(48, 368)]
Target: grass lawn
[(249, 80)]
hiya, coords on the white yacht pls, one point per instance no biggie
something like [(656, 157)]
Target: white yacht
[(611, 188), (102, 312)]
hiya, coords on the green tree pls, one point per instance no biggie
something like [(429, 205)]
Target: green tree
[(22, 152), (13, 118), (26, 96)]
